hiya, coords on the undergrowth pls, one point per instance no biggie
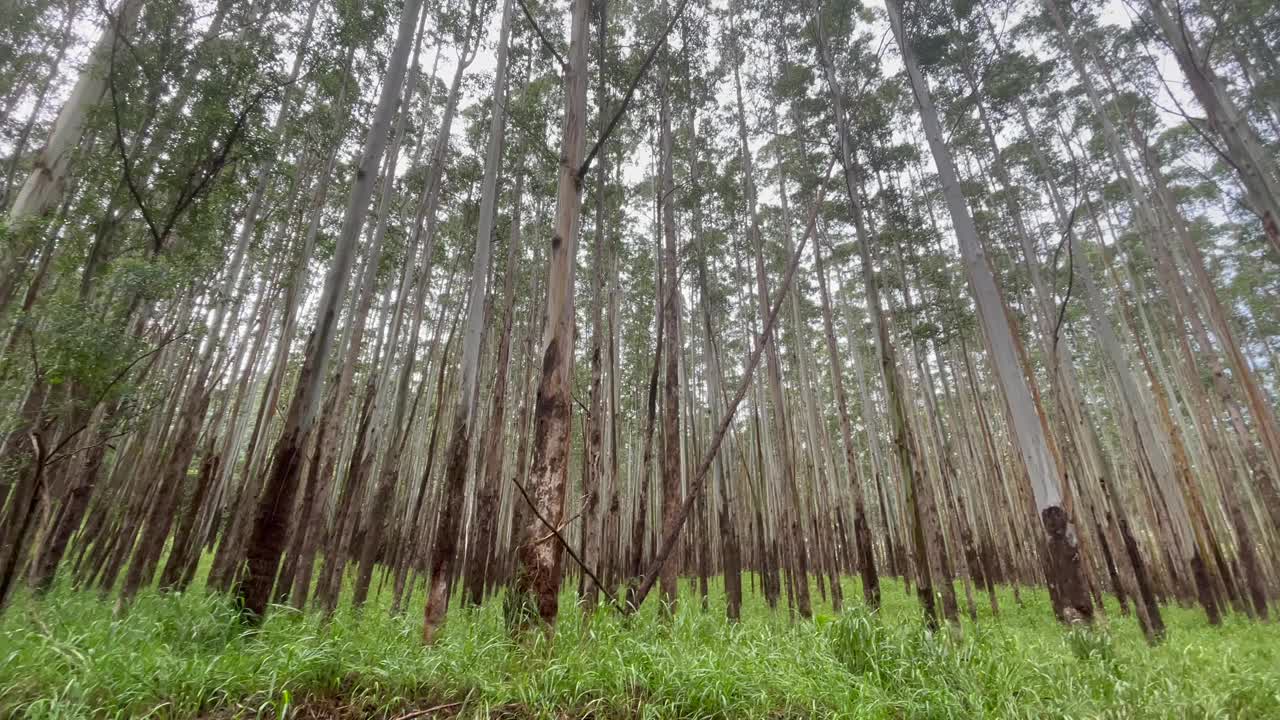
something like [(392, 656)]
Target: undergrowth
[(188, 655)]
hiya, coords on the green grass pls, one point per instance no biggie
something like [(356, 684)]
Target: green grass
[(183, 656)]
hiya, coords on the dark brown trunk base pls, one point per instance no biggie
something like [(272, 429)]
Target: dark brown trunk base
[(1063, 568)]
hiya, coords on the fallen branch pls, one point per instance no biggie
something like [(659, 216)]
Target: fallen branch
[(563, 542), (631, 91), (699, 478), (563, 525)]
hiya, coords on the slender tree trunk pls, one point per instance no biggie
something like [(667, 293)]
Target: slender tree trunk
[(906, 447), (271, 524), (482, 571), (537, 582), (1063, 561), (446, 542), (671, 468), (593, 468)]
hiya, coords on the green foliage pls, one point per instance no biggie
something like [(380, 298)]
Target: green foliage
[(187, 655), (78, 346)]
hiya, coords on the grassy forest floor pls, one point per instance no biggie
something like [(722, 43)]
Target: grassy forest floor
[(187, 655)]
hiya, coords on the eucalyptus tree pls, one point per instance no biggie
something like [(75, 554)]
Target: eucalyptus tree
[(1062, 552), (44, 187), (538, 575), (1243, 145), (22, 62), (456, 455), (271, 522), (537, 578), (594, 469)]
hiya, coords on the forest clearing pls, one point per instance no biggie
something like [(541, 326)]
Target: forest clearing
[(639, 358)]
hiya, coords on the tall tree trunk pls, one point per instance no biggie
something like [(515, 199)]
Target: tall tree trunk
[(910, 464), (484, 536), (671, 467), (593, 468), (782, 443), (271, 524), (1063, 563), (459, 449), (537, 582)]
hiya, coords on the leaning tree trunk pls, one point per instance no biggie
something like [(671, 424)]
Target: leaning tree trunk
[(1063, 562), (425, 222), (730, 552), (861, 531), (459, 450), (271, 523), (44, 187)]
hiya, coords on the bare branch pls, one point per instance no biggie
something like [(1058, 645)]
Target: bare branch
[(713, 449), (126, 162), (541, 36), (631, 91), (563, 542)]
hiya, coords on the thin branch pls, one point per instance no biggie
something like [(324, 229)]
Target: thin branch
[(1071, 275), (1139, 18), (118, 377), (126, 162), (563, 542), (541, 36), (214, 166), (699, 478), (201, 176), (631, 91), (563, 525), (105, 441)]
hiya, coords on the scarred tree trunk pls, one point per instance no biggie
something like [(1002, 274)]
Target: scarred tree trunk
[(480, 571), (459, 450), (271, 524), (328, 445), (426, 222), (537, 581), (1063, 563)]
